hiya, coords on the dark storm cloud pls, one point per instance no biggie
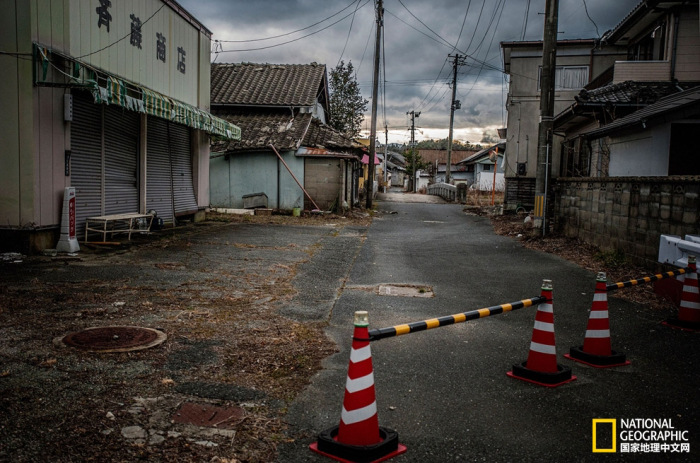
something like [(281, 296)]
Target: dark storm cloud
[(414, 54)]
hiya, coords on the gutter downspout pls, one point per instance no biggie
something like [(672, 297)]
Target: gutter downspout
[(676, 20)]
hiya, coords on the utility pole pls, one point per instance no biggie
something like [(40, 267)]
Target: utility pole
[(375, 88), (458, 60), (544, 135), (413, 147)]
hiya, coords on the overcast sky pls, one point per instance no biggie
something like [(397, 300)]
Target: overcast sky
[(418, 37)]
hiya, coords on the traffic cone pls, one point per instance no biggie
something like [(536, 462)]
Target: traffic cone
[(541, 366), (359, 438), (689, 309), (597, 350)]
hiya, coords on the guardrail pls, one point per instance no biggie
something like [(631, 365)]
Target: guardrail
[(444, 190)]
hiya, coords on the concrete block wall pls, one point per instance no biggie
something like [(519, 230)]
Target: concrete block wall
[(627, 214)]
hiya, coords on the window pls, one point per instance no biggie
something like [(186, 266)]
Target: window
[(567, 78), (487, 167)]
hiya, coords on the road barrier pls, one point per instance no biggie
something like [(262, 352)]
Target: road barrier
[(658, 276), (689, 310), (398, 330), (359, 438)]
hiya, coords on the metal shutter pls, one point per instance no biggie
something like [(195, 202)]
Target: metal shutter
[(86, 159), (181, 156), (121, 134), (158, 176)]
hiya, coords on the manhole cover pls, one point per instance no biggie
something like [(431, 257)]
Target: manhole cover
[(114, 339), (207, 415), (405, 290)]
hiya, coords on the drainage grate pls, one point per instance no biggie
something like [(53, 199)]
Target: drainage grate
[(207, 415), (114, 339)]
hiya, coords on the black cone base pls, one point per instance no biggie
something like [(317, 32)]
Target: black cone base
[(561, 376), (613, 360), (387, 448), (683, 324)]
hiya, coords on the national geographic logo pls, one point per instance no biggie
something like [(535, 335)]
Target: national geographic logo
[(638, 435)]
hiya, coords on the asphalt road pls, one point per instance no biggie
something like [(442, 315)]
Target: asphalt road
[(445, 390)]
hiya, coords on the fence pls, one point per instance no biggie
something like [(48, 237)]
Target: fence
[(444, 190), (627, 214)]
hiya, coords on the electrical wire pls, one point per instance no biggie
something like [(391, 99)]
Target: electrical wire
[(127, 35), (293, 40), (524, 28), (22, 56), (589, 17), (426, 26), (477, 22), (347, 39), (464, 21), (292, 32)]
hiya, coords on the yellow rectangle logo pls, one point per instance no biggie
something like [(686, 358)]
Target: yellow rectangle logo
[(612, 422)]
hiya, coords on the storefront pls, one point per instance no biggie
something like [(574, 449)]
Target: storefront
[(111, 101)]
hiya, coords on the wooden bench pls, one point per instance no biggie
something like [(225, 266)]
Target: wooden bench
[(117, 223)]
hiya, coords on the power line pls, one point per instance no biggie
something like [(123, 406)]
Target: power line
[(527, 13), (293, 32), (464, 21), (589, 17), (293, 40), (347, 39), (425, 25), (127, 35), (477, 22)]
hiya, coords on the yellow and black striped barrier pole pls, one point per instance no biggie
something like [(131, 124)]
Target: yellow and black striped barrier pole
[(658, 276), (398, 330)]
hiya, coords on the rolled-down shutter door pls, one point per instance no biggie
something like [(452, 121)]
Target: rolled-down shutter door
[(181, 155), (158, 176), (121, 129), (86, 159), (169, 170)]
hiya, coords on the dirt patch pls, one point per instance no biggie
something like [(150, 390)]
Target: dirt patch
[(227, 345), (585, 255)]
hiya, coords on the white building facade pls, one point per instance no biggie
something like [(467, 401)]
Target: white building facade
[(110, 97)]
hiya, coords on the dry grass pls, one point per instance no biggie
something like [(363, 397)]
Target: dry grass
[(587, 256)]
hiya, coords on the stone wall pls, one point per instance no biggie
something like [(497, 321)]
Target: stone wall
[(627, 214)]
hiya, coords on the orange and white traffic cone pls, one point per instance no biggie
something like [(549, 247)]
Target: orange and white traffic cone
[(597, 348), (689, 309), (359, 438), (541, 366)]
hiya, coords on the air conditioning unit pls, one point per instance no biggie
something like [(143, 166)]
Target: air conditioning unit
[(522, 168)]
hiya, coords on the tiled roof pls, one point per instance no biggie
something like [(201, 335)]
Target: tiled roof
[(259, 130), (630, 92), (320, 135), (688, 100), (267, 84), (499, 147)]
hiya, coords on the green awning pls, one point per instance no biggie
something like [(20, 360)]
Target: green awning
[(159, 105), (108, 89)]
